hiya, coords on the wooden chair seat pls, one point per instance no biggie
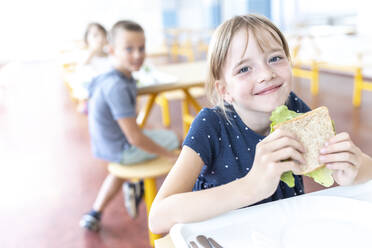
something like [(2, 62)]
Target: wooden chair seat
[(149, 169)]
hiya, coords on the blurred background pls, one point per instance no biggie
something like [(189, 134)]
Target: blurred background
[(39, 29), (48, 176)]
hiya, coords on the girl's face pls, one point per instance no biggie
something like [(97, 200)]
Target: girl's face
[(96, 39), (254, 80)]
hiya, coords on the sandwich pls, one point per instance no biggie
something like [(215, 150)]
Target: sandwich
[(313, 129)]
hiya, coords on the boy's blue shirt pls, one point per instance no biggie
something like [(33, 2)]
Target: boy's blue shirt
[(228, 148), (111, 96)]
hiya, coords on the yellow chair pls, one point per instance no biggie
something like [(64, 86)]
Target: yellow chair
[(359, 85), (312, 74), (178, 48), (147, 171)]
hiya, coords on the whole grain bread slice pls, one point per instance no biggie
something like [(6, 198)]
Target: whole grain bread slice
[(313, 129)]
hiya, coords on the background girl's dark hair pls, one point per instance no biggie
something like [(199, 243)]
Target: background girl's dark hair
[(87, 30)]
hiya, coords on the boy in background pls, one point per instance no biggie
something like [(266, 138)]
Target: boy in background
[(115, 135)]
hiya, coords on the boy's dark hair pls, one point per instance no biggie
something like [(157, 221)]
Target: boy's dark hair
[(124, 25), (87, 30)]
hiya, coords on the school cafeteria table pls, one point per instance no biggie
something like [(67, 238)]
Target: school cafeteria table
[(188, 75)]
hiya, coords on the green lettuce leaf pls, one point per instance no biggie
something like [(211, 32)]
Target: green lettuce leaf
[(281, 114), (321, 175), (288, 178)]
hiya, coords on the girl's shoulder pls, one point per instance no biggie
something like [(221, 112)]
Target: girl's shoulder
[(210, 115), (295, 103)]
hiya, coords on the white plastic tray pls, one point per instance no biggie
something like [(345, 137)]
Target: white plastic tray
[(322, 219)]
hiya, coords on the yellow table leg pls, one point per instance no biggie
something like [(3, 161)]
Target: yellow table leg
[(163, 102), (314, 78), (192, 100), (185, 116), (150, 193), (358, 81), (145, 111)]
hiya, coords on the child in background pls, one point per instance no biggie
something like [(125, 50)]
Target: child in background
[(229, 160), (115, 135), (94, 62), (95, 39)]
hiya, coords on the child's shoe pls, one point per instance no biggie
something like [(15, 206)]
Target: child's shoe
[(91, 221), (133, 193)]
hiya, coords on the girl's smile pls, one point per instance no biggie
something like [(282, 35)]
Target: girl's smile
[(268, 90)]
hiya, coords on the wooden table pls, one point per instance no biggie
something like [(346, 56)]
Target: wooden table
[(188, 74)]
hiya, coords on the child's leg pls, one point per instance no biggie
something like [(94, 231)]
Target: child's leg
[(162, 137), (108, 190)]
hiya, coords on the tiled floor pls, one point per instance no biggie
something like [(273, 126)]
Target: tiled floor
[(48, 177)]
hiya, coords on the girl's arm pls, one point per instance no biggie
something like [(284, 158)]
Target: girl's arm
[(349, 164), (175, 203), (136, 137)]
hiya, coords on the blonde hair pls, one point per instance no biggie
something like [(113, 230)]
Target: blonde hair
[(220, 44)]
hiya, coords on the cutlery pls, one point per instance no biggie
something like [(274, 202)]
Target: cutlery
[(193, 244), (203, 241), (214, 243)]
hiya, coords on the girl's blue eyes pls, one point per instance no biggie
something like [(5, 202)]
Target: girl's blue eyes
[(275, 59), (244, 69), (271, 60)]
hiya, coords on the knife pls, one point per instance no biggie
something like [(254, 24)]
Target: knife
[(203, 241), (193, 244), (214, 243)]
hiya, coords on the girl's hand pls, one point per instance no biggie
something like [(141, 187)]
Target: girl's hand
[(343, 157), (277, 153)]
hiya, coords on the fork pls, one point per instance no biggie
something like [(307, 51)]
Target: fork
[(207, 242), (192, 244)]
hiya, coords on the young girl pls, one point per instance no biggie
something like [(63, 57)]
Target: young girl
[(229, 160), (94, 61), (95, 39)]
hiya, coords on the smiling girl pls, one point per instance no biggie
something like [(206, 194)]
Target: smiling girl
[(229, 160)]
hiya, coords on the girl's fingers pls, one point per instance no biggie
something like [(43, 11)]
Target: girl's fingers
[(278, 134), (290, 166), (343, 146), (285, 141), (339, 138), (338, 157), (288, 153), (340, 166)]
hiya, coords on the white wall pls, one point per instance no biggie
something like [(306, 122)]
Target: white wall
[(364, 20), (286, 13), (39, 28)]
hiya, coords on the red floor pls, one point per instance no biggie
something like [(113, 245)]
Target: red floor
[(48, 177)]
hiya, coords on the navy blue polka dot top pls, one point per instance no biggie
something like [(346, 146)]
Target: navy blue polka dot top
[(228, 148)]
